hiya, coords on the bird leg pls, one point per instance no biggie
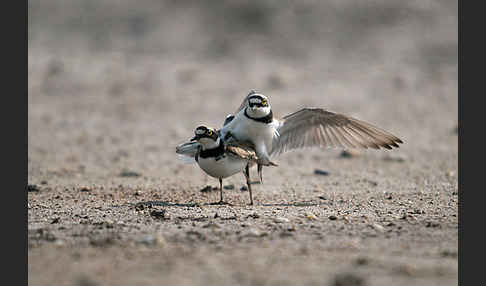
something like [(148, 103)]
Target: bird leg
[(247, 175), (260, 168), (220, 190), (260, 174), (221, 202)]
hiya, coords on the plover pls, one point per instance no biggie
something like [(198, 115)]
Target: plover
[(217, 159), (309, 127)]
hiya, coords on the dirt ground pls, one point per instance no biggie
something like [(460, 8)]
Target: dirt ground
[(110, 203)]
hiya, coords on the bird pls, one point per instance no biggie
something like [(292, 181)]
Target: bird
[(218, 159), (255, 124)]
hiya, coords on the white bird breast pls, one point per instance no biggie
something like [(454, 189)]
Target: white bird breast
[(223, 167)]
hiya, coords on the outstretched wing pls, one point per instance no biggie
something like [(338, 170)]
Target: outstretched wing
[(316, 127)]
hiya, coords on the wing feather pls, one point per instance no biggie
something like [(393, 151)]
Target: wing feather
[(316, 127)]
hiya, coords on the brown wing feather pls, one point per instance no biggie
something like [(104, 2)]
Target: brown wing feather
[(242, 152), (316, 127)]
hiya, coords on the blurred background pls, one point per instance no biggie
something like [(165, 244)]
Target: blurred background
[(110, 81)]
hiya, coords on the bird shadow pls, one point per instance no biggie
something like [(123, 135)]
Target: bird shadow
[(193, 205)]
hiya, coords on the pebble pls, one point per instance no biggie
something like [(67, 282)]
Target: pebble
[(362, 261), (206, 189), (244, 189), (432, 224), (253, 215), (350, 153), (321, 172), (151, 240), (311, 216), (254, 232), (85, 189), (129, 174), (395, 158), (212, 225), (348, 279), (229, 187), (281, 219), (158, 214), (332, 217), (33, 188), (378, 227)]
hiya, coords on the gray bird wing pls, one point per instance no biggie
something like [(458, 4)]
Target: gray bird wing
[(187, 151), (228, 119), (242, 105), (316, 127)]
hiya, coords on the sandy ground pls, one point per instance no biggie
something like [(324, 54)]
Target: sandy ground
[(110, 203)]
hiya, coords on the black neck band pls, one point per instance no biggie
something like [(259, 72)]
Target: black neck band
[(266, 119), (214, 152)]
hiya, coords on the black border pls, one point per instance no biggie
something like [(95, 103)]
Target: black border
[(15, 142)]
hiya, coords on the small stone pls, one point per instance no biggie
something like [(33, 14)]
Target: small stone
[(451, 174), (150, 240), (33, 188), (321, 172), (56, 220), (322, 198), (44, 182), (281, 220), (378, 227), (254, 215), (254, 232), (158, 214), (244, 189), (108, 223), (350, 153), (212, 225), (86, 281), (332, 217), (348, 279), (85, 189), (362, 261), (432, 224), (206, 189), (408, 270), (399, 158), (229, 187), (447, 253), (311, 216), (129, 174)]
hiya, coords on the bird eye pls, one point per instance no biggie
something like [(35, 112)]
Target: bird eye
[(264, 102), (210, 132)]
